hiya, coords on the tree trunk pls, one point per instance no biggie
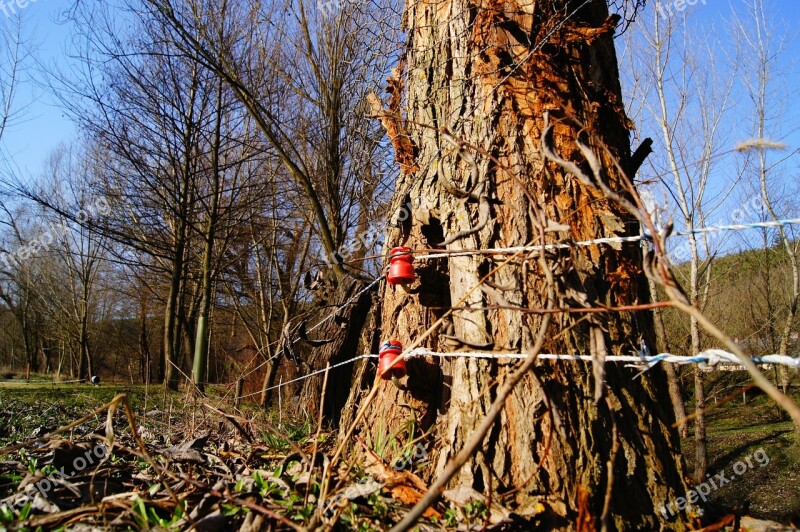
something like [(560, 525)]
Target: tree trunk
[(171, 361), (487, 72), (145, 363), (27, 329), (700, 439), (676, 396), (269, 380), (46, 348), (673, 382), (201, 340), (186, 347), (86, 369), (345, 343)]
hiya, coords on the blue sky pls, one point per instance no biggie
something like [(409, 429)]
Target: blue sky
[(712, 50), (714, 15), (41, 126)]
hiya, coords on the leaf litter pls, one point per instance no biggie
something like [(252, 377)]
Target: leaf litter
[(198, 467)]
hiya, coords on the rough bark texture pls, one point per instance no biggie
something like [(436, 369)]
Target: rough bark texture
[(350, 334), (486, 72)]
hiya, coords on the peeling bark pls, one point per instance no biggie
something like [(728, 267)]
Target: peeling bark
[(484, 74)]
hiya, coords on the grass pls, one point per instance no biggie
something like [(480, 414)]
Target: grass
[(38, 408), (735, 432), (26, 407)]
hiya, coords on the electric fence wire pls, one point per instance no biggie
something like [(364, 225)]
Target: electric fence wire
[(712, 358), (564, 245)]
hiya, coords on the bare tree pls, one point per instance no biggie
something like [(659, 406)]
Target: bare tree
[(233, 190), (760, 52), (20, 276), (79, 253), (684, 93), (313, 118), (22, 300), (11, 57), (304, 84), (149, 112), (209, 237)]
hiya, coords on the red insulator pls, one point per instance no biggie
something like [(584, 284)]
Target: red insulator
[(389, 352), (401, 266)]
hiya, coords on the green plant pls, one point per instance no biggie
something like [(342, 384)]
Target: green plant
[(229, 510), (295, 507), (388, 447), (350, 519), (12, 477), (378, 506), (379, 440), (294, 433), (28, 461), (147, 517), (265, 487), (475, 510), (25, 511), (450, 517), (276, 443), (305, 512), (8, 515), (300, 431)]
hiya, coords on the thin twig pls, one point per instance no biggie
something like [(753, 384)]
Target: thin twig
[(610, 471), (758, 378), (319, 427)]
